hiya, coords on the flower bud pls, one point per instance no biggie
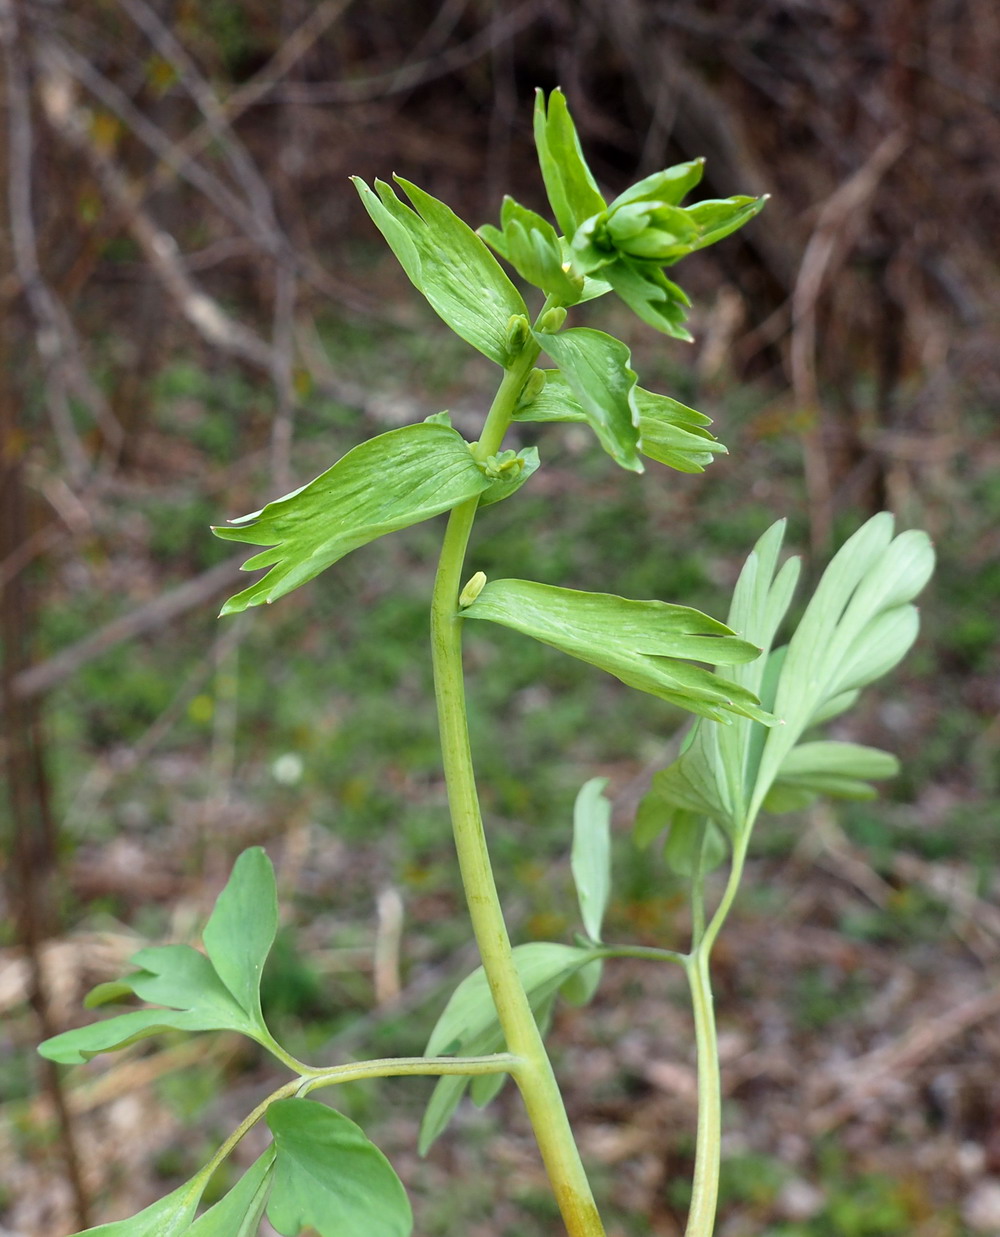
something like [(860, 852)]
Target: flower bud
[(534, 385), (518, 334), (472, 590), (552, 319)]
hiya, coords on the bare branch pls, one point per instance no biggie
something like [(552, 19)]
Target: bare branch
[(149, 617)]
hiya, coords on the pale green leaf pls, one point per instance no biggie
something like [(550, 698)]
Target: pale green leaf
[(173, 975), (857, 626), (328, 1176), (695, 843), (382, 485), (239, 1212), (828, 767), (639, 642), (448, 263), (469, 1026), (579, 989), (241, 929), (169, 1217), (590, 859), (715, 772), (597, 369)]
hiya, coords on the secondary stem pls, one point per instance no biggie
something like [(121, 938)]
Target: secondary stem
[(533, 1074), (705, 1185), (708, 1144)]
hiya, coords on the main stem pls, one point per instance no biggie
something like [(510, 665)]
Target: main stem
[(533, 1074)]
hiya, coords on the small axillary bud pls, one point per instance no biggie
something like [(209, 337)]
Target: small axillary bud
[(518, 334), (472, 590), (534, 385), (552, 319), (496, 465)]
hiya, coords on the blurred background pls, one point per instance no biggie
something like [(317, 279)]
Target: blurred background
[(197, 315)]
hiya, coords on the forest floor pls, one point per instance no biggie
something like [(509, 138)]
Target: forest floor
[(858, 980)]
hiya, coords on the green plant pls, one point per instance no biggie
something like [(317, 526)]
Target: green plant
[(745, 753)]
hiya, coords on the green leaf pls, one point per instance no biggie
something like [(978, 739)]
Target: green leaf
[(569, 182), (718, 218), (857, 626), (448, 263), (590, 859), (532, 246), (241, 929), (239, 1212), (714, 774), (694, 842), (638, 642), (328, 1176), (469, 1026), (670, 186), (669, 432), (673, 434), (382, 485), (580, 987), (597, 369), (657, 300), (507, 473), (173, 975), (168, 1217), (828, 767)]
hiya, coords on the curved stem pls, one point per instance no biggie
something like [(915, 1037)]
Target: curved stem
[(352, 1071), (533, 1074), (705, 1186), (708, 1144)]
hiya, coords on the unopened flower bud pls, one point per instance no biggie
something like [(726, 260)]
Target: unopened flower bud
[(472, 590), (552, 319)]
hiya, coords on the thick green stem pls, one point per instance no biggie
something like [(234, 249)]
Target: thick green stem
[(533, 1074)]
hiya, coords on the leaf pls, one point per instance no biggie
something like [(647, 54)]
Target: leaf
[(569, 182), (669, 432), (218, 992), (448, 263), (639, 642), (469, 1025), (239, 1212), (507, 473), (657, 300), (387, 483), (590, 859), (693, 842), (241, 929), (715, 772), (168, 1217), (172, 975), (857, 626), (330, 1177), (596, 368), (673, 434), (531, 245), (580, 987), (718, 218), (670, 186), (828, 767)]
